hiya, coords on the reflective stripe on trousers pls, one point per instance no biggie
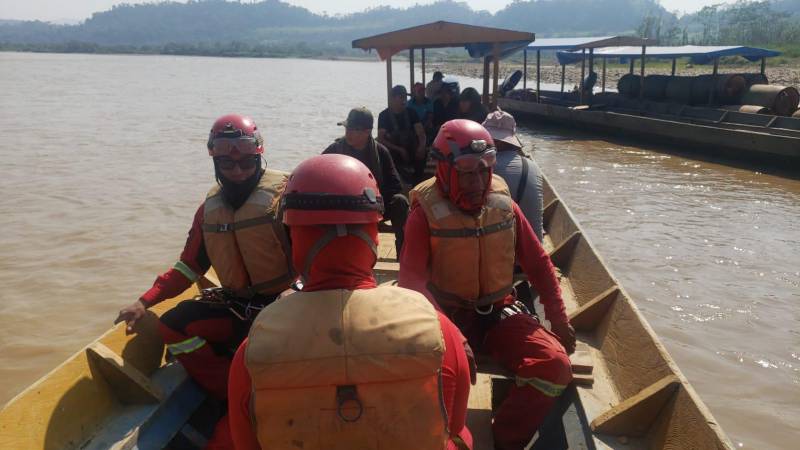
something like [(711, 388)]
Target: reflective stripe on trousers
[(187, 346), (545, 387)]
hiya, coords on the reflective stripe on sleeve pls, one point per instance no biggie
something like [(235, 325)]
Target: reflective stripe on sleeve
[(187, 271), (187, 346), (545, 387)]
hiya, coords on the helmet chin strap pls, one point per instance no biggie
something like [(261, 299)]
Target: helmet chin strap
[(332, 232)]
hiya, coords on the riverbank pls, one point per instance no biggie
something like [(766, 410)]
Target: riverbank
[(784, 75)]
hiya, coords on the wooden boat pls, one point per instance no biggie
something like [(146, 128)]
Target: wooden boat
[(711, 128), (120, 393)]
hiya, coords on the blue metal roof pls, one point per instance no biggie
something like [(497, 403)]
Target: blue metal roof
[(699, 54), (587, 42)]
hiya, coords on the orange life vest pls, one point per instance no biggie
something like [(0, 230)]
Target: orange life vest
[(341, 369), (472, 257), (248, 247)]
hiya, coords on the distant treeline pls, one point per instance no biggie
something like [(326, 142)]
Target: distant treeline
[(276, 29)]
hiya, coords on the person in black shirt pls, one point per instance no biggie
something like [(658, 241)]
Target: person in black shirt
[(445, 108), (470, 107), (359, 144), (401, 131)]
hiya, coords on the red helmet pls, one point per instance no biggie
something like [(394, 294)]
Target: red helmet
[(464, 144), (331, 189), (234, 132)]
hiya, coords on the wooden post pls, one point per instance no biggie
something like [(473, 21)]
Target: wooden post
[(411, 69), (496, 74), (591, 70), (525, 69), (763, 65), (583, 74), (712, 92), (563, 72), (604, 74), (631, 70), (538, 75), (641, 76), (485, 96), (388, 80), (423, 67), (674, 60)]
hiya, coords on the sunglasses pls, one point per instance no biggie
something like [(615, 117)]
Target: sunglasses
[(226, 163), (224, 146)]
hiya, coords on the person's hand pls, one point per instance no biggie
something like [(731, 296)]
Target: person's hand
[(131, 314), (473, 367), (565, 334), (420, 152)]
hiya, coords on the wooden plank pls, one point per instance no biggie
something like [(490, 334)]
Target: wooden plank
[(561, 253), (581, 362), (129, 385), (386, 268), (479, 412), (583, 379), (586, 317), (635, 415)]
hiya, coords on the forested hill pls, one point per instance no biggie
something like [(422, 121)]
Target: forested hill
[(275, 28), (272, 21)]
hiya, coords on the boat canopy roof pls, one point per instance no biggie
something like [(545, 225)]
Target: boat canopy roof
[(580, 43), (477, 40), (699, 54)]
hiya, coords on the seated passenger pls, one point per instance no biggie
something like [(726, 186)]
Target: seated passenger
[(464, 235), (400, 130), (234, 231), (446, 106), (521, 174), (344, 363), (470, 106), (434, 86), (358, 143), (423, 106)]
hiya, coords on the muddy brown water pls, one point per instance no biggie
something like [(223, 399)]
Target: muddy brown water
[(103, 165)]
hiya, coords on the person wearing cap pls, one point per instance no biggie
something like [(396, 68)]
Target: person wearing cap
[(434, 86), (344, 363), (359, 144), (522, 174), (424, 109), (470, 106), (446, 106), (465, 235), (234, 231), (401, 131)]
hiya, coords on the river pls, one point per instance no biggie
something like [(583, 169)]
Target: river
[(104, 164)]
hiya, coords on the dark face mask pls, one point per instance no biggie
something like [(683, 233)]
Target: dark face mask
[(237, 193)]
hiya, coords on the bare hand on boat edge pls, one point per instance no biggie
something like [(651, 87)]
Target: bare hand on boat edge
[(565, 334), (130, 314)]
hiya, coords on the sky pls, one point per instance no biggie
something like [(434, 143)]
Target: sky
[(77, 10)]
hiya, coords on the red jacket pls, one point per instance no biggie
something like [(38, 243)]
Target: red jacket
[(530, 255), (455, 386), (172, 282)]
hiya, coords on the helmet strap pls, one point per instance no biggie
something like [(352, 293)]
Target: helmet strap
[(334, 232)]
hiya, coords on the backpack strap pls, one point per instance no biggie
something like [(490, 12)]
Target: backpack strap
[(523, 180)]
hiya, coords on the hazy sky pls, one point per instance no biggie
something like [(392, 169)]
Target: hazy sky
[(72, 10)]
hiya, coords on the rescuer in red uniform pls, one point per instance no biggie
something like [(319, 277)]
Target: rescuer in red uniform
[(235, 231), (343, 363), (463, 236)]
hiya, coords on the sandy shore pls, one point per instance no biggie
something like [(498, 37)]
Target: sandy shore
[(781, 75)]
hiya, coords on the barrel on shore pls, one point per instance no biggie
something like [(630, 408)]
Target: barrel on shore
[(629, 84), (728, 88), (782, 100), (754, 78), (752, 109), (679, 89)]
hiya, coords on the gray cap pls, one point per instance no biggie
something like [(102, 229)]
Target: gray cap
[(399, 90), (359, 119)]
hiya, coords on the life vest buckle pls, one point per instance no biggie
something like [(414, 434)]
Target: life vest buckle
[(225, 227), (344, 396)]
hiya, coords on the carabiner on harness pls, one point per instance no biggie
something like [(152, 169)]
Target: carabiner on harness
[(484, 312)]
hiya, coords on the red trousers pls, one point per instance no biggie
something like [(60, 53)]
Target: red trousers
[(203, 337), (520, 344)]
